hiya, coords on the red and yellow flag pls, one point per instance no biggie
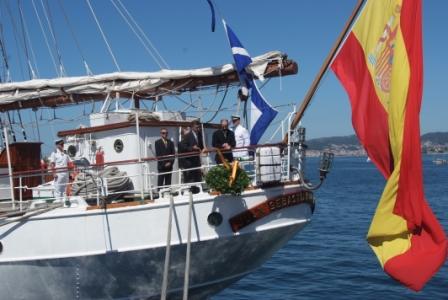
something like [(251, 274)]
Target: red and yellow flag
[(381, 67)]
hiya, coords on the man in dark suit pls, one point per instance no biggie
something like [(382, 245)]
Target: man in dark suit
[(224, 139), (192, 142), (164, 146)]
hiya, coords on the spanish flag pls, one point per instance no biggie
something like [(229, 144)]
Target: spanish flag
[(381, 67)]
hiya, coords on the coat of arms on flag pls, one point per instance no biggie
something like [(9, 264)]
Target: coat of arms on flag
[(381, 67)]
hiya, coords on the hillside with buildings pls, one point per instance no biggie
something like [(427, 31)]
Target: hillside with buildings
[(433, 142)]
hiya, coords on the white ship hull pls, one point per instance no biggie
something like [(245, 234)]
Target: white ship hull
[(71, 253)]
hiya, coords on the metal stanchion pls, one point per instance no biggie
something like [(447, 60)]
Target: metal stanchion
[(168, 249), (188, 253)]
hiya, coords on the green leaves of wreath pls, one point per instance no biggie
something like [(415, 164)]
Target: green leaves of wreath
[(218, 180)]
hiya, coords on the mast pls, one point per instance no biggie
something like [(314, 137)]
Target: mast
[(313, 88), (8, 156), (4, 76)]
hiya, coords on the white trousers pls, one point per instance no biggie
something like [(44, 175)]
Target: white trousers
[(60, 184)]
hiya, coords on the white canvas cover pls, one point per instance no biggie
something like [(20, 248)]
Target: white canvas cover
[(131, 82)]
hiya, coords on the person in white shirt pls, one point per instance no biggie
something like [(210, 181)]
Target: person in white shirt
[(59, 160), (242, 138)]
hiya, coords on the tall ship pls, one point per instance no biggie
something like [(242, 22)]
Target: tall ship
[(111, 230)]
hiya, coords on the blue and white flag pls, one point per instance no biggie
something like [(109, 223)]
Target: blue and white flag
[(262, 113)]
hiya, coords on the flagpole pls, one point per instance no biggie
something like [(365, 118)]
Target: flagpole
[(313, 88)]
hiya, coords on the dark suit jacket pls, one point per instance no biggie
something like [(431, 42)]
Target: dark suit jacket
[(186, 145), (162, 150), (220, 138)]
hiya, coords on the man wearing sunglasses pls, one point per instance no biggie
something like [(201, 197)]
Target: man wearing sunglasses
[(192, 142), (164, 147), (224, 139)]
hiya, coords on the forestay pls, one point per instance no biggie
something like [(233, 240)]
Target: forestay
[(140, 85)]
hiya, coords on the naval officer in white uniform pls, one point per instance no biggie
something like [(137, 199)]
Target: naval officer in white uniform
[(242, 138), (58, 160)]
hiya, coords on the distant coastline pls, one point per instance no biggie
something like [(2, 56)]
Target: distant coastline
[(432, 143)]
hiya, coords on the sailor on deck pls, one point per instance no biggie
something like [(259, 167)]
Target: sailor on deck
[(59, 160), (242, 138)]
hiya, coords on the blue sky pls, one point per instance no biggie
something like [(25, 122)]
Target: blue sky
[(305, 30)]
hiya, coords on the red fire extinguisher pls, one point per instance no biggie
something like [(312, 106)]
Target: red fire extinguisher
[(99, 157)]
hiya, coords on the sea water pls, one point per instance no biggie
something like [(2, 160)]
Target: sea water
[(330, 258)]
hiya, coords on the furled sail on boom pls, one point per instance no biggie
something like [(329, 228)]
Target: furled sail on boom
[(142, 85)]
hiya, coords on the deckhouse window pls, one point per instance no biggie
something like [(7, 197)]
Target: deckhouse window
[(118, 145), (71, 150)]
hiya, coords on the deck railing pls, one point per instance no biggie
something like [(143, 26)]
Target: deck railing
[(149, 189)]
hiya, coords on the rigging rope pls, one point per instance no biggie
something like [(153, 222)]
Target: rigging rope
[(10, 129), (118, 183), (45, 37), (21, 126), (32, 213), (3, 133), (144, 34), (48, 17), (26, 41), (103, 35), (30, 117), (136, 34), (220, 105), (37, 124), (16, 34), (72, 32), (213, 101), (50, 124)]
